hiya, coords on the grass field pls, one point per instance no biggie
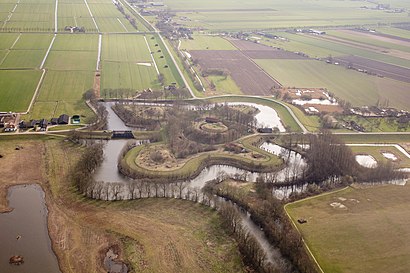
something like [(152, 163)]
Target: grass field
[(17, 89), (61, 93), (360, 89), (375, 138), (369, 235), (127, 63), (206, 42), (316, 46), (264, 14), (224, 85)]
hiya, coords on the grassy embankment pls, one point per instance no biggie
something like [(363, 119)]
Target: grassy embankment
[(192, 165), (185, 235), (373, 223)]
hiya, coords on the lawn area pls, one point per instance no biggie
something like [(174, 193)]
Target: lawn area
[(206, 42), (360, 89), (370, 234), (311, 122), (378, 124), (17, 88)]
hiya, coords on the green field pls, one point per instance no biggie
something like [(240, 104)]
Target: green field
[(360, 89), (206, 42), (369, 235), (77, 52), (265, 14), (61, 93), (127, 62), (368, 39), (17, 89)]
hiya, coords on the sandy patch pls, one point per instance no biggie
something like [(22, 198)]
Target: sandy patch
[(145, 64)]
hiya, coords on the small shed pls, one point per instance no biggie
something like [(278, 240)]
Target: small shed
[(75, 119), (63, 119)]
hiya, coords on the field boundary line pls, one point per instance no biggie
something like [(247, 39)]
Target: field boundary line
[(97, 68), (48, 51), (294, 224), (10, 14), (35, 92), (9, 50), (122, 24), (92, 17), (56, 18), (152, 56)]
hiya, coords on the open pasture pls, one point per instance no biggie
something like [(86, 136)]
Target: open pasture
[(7, 40), (243, 71), (125, 48), (23, 59), (17, 88), (386, 70), (29, 41), (81, 42), (360, 89), (319, 47), (125, 75), (109, 19), (358, 229), (73, 52), (31, 16), (62, 93), (244, 15)]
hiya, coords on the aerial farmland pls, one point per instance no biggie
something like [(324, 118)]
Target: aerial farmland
[(204, 136)]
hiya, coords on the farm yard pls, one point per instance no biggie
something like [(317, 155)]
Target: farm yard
[(371, 220)]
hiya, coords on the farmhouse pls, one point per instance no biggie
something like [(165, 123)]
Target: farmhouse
[(43, 125), (63, 119)]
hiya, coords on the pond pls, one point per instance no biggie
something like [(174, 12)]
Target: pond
[(24, 232), (367, 161)]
